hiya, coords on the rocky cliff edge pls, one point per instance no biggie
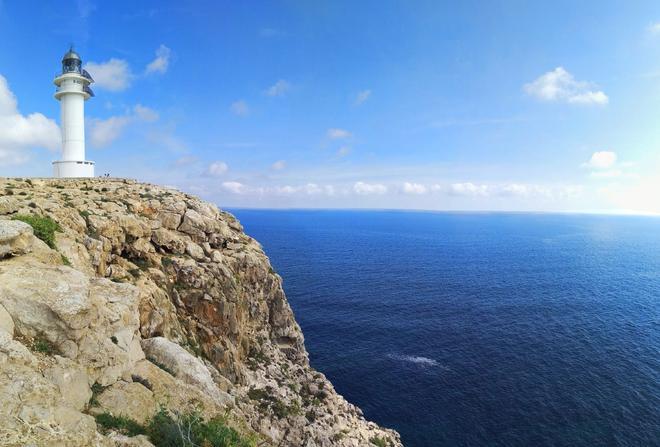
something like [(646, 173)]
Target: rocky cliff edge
[(123, 299)]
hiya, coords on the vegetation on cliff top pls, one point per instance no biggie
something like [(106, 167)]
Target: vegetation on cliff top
[(170, 430), (44, 227)]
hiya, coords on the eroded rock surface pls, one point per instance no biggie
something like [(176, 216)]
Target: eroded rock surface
[(164, 302)]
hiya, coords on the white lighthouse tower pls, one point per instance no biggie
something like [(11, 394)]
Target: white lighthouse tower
[(72, 92)]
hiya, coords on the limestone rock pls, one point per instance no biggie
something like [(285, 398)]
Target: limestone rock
[(72, 382), (15, 238), (8, 205), (184, 366), (152, 267), (129, 399), (6, 322)]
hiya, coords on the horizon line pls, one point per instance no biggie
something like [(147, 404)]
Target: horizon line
[(450, 211)]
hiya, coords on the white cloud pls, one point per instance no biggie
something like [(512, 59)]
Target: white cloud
[(337, 134), (104, 132), (145, 113), (308, 189), (609, 173), (240, 108), (363, 188), (185, 160), (114, 75), (521, 190), (589, 98), (468, 189), (414, 188), (279, 165), (559, 85), (19, 132), (343, 151), (234, 187), (279, 88), (361, 97), (161, 62), (654, 29), (217, 168), (601, 160)]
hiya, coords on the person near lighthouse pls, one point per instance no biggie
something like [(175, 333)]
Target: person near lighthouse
[(72, 92)]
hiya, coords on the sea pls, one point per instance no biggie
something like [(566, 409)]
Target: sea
[(479, 329)]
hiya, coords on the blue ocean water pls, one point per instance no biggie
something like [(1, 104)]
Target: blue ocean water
[(480, 329)]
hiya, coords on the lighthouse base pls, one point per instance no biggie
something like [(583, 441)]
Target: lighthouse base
[(73, 168)]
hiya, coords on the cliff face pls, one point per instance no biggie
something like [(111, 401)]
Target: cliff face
[(149, 298)]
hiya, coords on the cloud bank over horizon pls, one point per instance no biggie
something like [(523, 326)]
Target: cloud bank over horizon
[(263, 121)]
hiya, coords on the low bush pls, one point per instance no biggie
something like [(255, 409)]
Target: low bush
[(121, 424), (44, 227), (170, 430), (379, 442)]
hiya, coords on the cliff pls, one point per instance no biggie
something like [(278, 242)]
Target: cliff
[(126, 305)]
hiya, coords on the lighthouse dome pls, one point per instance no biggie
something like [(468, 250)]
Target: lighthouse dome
[(71, 62), (71, 54)]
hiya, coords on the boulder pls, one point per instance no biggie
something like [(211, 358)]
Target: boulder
[(183, 365), (129, 399), (80, 316), (169, 240), (16, 238), (8, 205), (72, 382)]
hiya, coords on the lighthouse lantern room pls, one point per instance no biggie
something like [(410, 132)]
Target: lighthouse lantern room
[(72, 92)]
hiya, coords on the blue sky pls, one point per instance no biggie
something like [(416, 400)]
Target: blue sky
[(508, 105)]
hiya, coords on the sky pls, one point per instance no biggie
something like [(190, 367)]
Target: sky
[(491, 105)]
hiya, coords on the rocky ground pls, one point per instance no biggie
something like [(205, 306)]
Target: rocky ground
[(146, 298)]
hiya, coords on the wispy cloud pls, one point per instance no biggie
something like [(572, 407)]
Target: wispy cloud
[(278, 165), (653, 29), (102, 132), (162, 61), (113, 75), (601, 160), (234, 187), (364, 188), (280, 88), (145, 113), (337, 134), (343, 151), (559, 85), (185, 160), (240, 108), (361, 97), (216, 169), (414, 188), (605, 165)]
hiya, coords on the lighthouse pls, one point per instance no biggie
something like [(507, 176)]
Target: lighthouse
[(72, 92)]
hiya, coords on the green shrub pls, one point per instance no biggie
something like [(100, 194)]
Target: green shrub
[(44, 346), (97, 389), (44, 227), (65, 260), (121, 424), (163, 367), (189, 430), (379, 442)]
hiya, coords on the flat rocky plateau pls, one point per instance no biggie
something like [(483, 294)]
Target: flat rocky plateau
[(145, 299)]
